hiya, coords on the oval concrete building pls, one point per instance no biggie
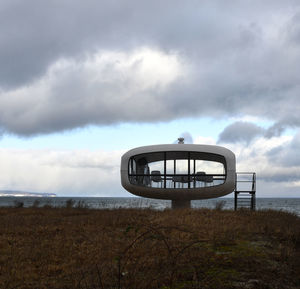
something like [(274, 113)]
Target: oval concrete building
[(179, 172)]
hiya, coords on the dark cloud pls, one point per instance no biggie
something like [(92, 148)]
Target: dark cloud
[(240, 131), (275, 130), (233, 59), (293, 29)]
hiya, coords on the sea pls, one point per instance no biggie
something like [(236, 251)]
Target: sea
[(284, 204)]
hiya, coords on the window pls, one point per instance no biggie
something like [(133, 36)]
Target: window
[(177, 169)]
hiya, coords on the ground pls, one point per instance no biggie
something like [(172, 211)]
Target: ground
[(136, 248)]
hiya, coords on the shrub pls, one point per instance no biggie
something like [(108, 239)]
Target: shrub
[(18, 204), (70, 203), (220, 205), (81, 205), (36, 203)]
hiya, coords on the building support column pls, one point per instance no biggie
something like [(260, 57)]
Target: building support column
[(181, 204), (235, 200)]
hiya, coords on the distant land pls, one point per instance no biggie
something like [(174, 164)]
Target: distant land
[(4, 193)]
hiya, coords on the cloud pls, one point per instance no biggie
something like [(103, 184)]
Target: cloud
[(204, 140), (293, 29), (247, 131), (275, 177), (240, 131), (275, 130), (106, 88), (98, 63), (69, 173), (287, 155)]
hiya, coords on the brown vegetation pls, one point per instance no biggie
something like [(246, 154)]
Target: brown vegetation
[(134, 248)]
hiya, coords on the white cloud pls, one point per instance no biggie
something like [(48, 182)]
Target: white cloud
[(204, 140), (294, 184), (72, 173), (273, 179)]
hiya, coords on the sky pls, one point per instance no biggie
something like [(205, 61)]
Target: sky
[(82, 82)]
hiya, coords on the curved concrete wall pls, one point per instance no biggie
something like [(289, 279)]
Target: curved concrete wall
[(182, 193)]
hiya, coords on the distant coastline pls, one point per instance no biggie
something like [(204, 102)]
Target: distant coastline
[(7, 193)]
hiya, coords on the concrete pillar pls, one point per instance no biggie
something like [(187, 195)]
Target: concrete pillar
[(181, 204)]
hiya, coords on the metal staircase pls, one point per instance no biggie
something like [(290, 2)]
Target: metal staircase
[(245, 189)]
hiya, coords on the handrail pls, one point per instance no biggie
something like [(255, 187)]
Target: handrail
[(173, 175), (252, 191)]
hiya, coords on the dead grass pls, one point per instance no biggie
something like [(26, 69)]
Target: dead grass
[(133, 248)]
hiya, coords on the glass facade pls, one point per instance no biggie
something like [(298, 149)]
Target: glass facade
[(177, 169)]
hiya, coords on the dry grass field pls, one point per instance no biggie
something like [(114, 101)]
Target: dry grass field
[(135, 248)]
